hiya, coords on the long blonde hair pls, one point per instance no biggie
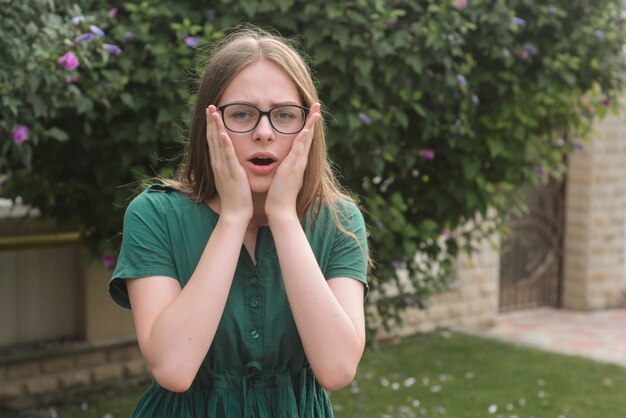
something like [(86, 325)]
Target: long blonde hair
[(241, 48)]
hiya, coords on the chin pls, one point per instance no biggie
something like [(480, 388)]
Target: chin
[(260, 187)]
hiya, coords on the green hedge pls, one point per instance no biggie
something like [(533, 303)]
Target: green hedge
[(437, 111)]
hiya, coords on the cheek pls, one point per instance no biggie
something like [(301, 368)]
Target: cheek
[(238, 146), (285, 146)]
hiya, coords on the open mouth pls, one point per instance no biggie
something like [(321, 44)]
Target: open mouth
[(261, 161)]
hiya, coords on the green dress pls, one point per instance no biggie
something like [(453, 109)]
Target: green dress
[(256, 366)]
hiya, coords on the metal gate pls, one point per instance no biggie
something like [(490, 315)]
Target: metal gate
[(531, 256)]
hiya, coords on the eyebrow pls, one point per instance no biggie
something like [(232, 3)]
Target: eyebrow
[(272, 104)]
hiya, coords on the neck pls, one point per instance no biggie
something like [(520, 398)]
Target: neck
[(258, 209), (258, 212)]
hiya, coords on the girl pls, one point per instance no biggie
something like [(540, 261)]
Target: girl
[(247, 273)]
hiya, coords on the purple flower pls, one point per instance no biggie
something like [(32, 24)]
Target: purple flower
[(210, 15), (191, 41), (69, 61), (19, 133), (459, 4), (107, 260), (460, 79), (606, 102), (599, 34), (96, 31), (71, 79), (559, 142), (579, 147), (84, 37), (392, 22), (129, 35), (522, 54), (408, 301), (76, 20), (519, 21), (364, 118), (427, 154), (113, 12), (398, 265), (112, 49), (539, 171), (530, 48), (378, 224)]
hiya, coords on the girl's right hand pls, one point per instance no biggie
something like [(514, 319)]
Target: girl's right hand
[(231, 180)]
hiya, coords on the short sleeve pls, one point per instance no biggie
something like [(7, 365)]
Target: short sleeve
[(349, 250), (146, 248)]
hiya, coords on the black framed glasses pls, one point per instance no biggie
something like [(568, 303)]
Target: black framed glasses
[(241, 117)]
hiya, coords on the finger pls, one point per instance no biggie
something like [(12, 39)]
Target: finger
[(227, 151), (211, 135), (210, 125), (314, 115), (305, 137)]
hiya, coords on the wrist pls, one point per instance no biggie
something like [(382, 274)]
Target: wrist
[(282, 219), (234, 220)]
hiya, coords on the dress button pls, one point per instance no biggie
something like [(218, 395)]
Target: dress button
[(253, 281), (254, 303), (254, 334)]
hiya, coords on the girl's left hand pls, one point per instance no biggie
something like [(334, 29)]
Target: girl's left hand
[(283, 192)]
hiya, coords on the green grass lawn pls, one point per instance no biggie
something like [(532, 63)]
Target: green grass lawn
[(444, 374)]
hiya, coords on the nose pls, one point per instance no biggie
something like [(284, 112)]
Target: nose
[(264, 130)]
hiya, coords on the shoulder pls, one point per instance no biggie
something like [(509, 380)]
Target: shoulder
[(342, 211), (160, 199), (340, 214)]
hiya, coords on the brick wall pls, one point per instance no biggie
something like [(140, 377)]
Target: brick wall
[(472, 300), (595, 230), (52, 375)]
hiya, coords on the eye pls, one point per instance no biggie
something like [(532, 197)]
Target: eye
[(241, 115), (284, 114)]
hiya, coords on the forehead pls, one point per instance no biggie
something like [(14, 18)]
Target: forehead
[(262, 83)]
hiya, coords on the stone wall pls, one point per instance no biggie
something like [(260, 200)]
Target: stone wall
[(54, 374), (472, 300), (595, 225)]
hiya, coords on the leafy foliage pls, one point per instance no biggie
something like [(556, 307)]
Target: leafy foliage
[(437, 111), (108, 123)]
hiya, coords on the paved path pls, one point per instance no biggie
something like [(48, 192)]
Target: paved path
[(599, 335)]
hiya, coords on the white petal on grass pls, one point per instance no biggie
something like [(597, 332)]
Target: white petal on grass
[(409, 382), (492, 409)]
